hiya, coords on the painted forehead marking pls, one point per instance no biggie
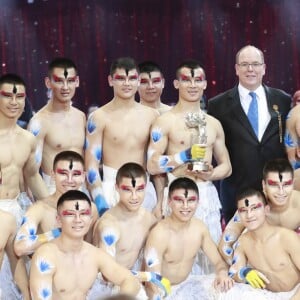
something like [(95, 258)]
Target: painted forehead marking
[(66, 73), (246, 202), (77, 206), (133, 181), (186, 192), (280, 176), (14, 89), (192, 72), (127, 72), (71, 165)]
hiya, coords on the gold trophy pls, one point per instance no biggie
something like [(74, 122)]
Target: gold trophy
[(196, 122)]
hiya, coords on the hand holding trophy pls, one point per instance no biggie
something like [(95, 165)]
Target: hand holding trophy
[(197, 123)]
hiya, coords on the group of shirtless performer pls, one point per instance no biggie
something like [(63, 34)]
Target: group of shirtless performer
[(123, 204)]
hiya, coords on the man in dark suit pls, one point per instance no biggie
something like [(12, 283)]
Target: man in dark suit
[(253, 129)]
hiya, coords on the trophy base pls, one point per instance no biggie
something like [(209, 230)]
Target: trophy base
[(198, 166)]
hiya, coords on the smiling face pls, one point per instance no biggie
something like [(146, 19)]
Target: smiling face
[(75, 218), (68, 176), (124, 83), (132, 192), (191, 84), (278, 188), (183, 203), (250, 76), (63, 83), (151, 86), (12, 100), (252, 212)]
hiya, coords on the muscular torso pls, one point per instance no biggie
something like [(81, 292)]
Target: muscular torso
[(74, 274), (16, 147), (272, 259), (133, 232), (126, 134), (62, 131), (182, 247)]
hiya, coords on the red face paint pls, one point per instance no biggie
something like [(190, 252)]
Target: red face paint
[(277, 184), (10, 95), (251, 208), (127, 188), (73, 213)]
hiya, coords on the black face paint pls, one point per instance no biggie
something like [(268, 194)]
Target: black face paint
[(246, 202), (14, 89), (77, 206), (149, 75), (127, 72), (0, 175), (280, 177), (71, 165), (192, 72), (66, 73), (133, 181), (186, 192)]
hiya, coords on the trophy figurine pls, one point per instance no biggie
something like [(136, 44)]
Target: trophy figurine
[(197, 123)]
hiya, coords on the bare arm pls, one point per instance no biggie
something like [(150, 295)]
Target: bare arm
[(41, 273), (157, 162), (17, 264), (32, 176), (222, 281), (27, 239), (117, 274), (93, 156), (155, 248), (220, 153), (160, 182), (230, 235), (106, 235)]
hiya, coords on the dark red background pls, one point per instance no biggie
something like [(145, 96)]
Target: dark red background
[(93, 33)]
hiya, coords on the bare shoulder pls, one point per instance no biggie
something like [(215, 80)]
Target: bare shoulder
[(26, 135), (213, 121), (77, 112), (108, 219), (287, 236), (148, 218), (165, 120), (147, 110)]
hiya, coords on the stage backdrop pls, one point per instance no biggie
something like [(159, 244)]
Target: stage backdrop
[(95, 32)]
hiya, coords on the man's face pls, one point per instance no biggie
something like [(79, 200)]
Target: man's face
[(278, 188), (75, 218), (132, 192), (151, 86), (190, 84), (63, 83), (68, 175), (250, 76), (252, 212), (183, 204), (12, 100), (124, 85)]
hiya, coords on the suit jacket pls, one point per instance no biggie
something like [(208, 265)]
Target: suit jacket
[(247, 154)]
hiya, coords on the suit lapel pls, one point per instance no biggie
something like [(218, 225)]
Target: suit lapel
[(273, 107)]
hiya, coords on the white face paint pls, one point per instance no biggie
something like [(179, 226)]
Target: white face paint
[(151, 258)]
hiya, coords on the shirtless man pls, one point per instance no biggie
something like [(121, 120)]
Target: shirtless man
[(172, 246), (113, 231), (283, 201), (8, 229), (151, 86), (58, 125), (170, 148), (66, 267), (118, 132), (39, 224), (17, 156), (274, 262)]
